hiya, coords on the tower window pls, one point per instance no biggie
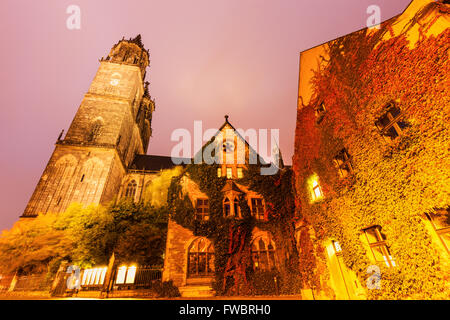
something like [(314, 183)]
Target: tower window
[(390, 124), (202, 209), (131, 189), (440, 220), (377, 243), (94, 131), (343, 164), (257, 208)]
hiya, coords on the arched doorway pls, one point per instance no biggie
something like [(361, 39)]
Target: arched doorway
[(200, 259)]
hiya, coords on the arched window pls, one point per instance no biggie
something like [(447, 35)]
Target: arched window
[(94, 130), (226, 207), (131, 189), (263, 254), (201, 258), (237, 211)]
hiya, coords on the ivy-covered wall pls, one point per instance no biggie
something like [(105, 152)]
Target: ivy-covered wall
[(393, 183), (232, 237)]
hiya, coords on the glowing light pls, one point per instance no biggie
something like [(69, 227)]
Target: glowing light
[(131, 273)]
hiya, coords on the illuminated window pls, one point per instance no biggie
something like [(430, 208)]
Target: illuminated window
[(240, 173), (126, 275), (226, 207), (219, 172), (377, 243), (343, 164), (201, 258), (131, 274), (93, 277), (202, 209), (229, 173), (316, 191), (390, 124), (337, 247), (263, 254), (440, 219), (121, 272), (257, 208), (131, 189), (319, 112)]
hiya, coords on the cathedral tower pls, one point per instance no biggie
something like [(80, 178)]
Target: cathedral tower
[(111, 126)]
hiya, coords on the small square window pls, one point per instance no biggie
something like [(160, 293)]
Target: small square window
[(316, 191), (219, 172), (202, 209), (343, 164), (390, 124), (240, 173)]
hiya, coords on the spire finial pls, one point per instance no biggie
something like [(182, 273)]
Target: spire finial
[(226, 118)]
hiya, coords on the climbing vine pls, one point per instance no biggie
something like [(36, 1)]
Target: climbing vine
[(232, 237), (393, 183)]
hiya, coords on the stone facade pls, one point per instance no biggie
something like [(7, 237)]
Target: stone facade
[(112, 126)]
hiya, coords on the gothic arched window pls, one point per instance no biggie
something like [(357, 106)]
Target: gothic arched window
[(263, 254), (94, 130), (201, 258), (131, 189), (226, 207)]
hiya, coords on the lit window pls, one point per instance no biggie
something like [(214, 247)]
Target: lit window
[(377, 243), (440, 219), (337, 247), (131, 274), (131, 189), (201, 258), (319, 112), (239, 173), (219, 172), (121, 271), (390, 124), (257, 208), (202, 209), (263, 254), (316, 190), (229, 173), (343, 164)]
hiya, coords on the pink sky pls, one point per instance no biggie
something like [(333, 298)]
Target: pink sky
[(208, 58)]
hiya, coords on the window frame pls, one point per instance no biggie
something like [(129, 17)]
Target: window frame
[(381, 244), (440, 231), (130, 189), (342, 161), (393, 122), (230, 171), (254, 208), (204, 209), (270, 254)]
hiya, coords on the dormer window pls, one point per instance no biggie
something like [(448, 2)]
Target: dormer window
[(226, 207), (229, 173), (343, 164), (240, 173), (390, 124), (319, 112)]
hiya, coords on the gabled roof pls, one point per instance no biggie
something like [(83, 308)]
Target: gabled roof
[(251, 150), (231, 186), (154, 163)]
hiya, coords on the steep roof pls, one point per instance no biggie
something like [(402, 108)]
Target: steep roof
[(154, 163)]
